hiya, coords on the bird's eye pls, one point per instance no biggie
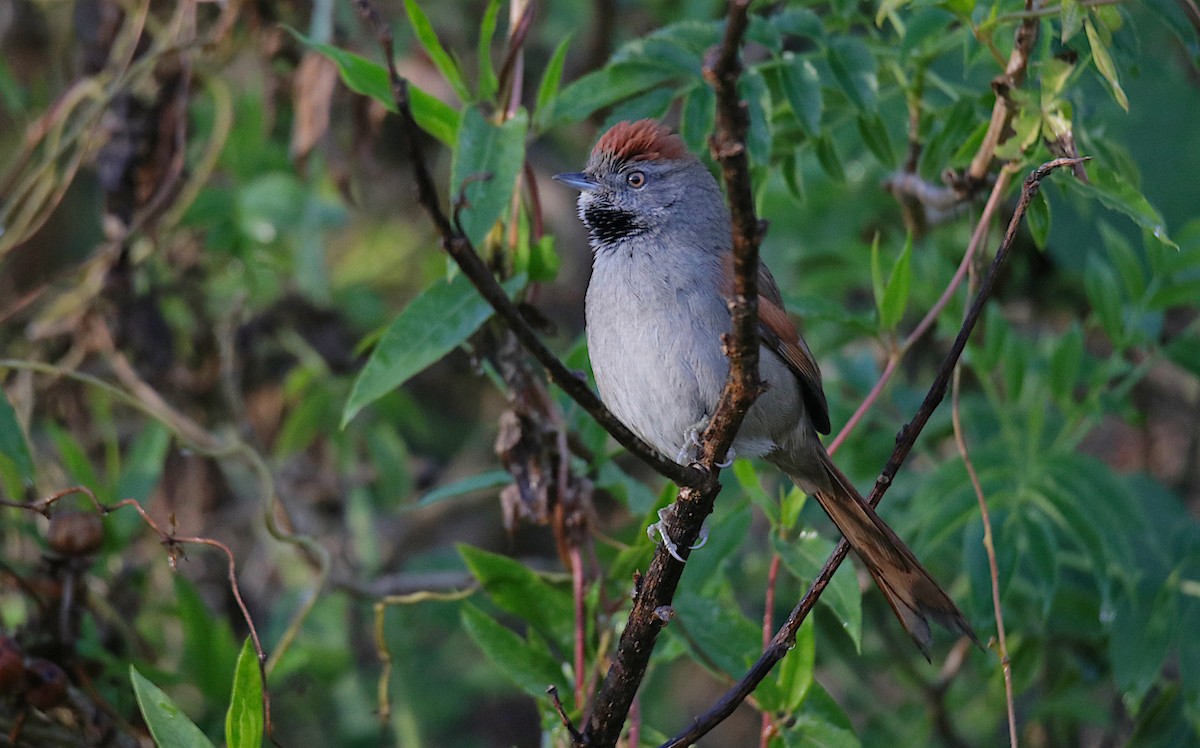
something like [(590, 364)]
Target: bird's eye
[(636, 179)]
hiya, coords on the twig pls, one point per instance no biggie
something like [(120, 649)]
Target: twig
[(1002, 110), (576, 736), (461, 251), (786, 636), (989, 546)]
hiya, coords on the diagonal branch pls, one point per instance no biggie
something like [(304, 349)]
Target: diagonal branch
[(905, 440)]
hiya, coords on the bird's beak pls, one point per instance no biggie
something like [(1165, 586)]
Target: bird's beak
[(577, 179)]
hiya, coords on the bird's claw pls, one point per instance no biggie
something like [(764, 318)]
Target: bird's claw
[(690, 451), (660, 528)]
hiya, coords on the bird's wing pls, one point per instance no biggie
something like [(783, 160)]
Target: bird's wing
[(780, 335)]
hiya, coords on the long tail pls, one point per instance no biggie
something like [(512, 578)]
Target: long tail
[(912, 593)]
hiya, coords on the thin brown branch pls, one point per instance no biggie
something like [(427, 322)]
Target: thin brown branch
[(907, 437), (989, 546), (473, 267), (926, 323), (1003, 110), (652, 601)]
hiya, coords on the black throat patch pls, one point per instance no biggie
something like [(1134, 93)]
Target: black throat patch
[(609, 225)]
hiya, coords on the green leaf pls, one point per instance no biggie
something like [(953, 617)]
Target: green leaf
[(1065, 363), (244, 720), (699, 105), (144, 462), (1116, 193), (433, 47), (892, 298), (747, 478), (829, 158), (717, 630), (784, 693), (1100, 284), (487, 160), (804, 557), (548, 89), (490, 479), (432, 325), (1037, 217), (518, 590), (209, 647), (1071, 19), (820, 723), (487, 30), (603, 88), (853, 68), (875, 135), (13, 444), (802, 86), (169, 726), (1104, 63), (371, 79), (529, 665)]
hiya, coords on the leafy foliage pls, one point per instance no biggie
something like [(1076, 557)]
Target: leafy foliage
[(264, 348)]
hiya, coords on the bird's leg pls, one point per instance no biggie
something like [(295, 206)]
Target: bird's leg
[(690, 451), (660, 528)]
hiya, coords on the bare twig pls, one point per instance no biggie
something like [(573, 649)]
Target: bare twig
[(989, 546), (576, 736), (786, 636)]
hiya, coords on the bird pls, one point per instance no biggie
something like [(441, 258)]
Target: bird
[(656, 306)]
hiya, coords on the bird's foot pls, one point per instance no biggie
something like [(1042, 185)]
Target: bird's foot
[(690, 452), (659, 528)]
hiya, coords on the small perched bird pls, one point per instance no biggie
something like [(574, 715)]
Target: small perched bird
[(657, 305)]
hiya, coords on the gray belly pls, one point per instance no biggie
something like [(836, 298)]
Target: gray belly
[(657, 357)]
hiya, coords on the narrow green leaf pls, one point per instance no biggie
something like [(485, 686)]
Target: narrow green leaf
[(1118, 194), (895, 294), (487, 160), (1071, 18), (829, 158), (802, 85), (1066, 362), (529, 665), (547, 93), (437, 53), (490, 479), (699, 104), (1037, 217), (487, 30), (875, 135), (803, 557), (1100, 284), (169, 726), (244, 720), (518, 590), (820, 723), (794, 676), (371, 79), (725, 639), (877, 285), (853, 68), (602, 88), (1104, 63), (144, 462), (435, 323), (12, 442)]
